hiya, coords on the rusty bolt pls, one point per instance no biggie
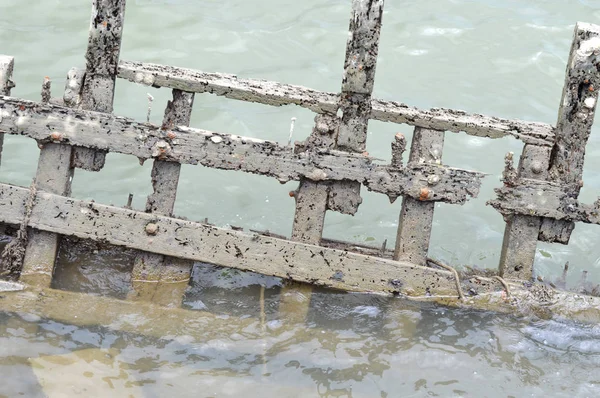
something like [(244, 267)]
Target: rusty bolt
[(425, 194), (56, 136), (365, 153), (171, 135), (292, 194), (151, 228), (591, 88)]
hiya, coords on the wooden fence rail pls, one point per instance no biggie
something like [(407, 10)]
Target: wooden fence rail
[(538, 198)]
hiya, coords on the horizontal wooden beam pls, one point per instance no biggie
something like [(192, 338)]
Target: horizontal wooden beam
[(278, 94), (56, 124), (200, 242), (544, 199)]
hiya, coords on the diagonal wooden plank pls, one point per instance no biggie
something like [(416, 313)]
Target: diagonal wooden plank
[(280, 94), (200, 242), (51, 123)]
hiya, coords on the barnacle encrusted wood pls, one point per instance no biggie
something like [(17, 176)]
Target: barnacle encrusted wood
[(575, 118), (278, 94), (201, 242), (102, 61), (230, 152)]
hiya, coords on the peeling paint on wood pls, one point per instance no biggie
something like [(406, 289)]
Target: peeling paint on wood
[(229, 152), (200, 242), (102, 61), (278, 94), (416, 216)]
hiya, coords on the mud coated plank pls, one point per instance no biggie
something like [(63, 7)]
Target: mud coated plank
[(200, 242), (154, 277), (416, 216), (102, 61), (575, 119)]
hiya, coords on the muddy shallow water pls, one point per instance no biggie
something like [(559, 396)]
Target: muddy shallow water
[(236, 339), (502, 58)]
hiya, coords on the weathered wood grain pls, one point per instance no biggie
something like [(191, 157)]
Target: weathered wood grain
[(151, 268), (51, 123), (6, 84), (201, 242), (278, 94), (575, 119), (102, 61), (416, 216), (521, 232)]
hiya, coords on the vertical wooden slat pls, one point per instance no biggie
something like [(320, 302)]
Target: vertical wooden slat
[(6, 69), (314, 198), (416, 217), (521, 232), (357, 86), (102, 60), (54, 175), (157, 278), (311, 206), (575, 119), (56, 162)]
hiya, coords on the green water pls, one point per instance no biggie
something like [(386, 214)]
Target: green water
[(502, 58)]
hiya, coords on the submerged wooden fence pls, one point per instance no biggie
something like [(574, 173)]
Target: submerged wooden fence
[(538, 198)]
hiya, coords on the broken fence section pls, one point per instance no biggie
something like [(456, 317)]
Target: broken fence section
[(538, 199)]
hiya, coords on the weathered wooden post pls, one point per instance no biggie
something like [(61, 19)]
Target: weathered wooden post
[(314, 197), (416, 216), (564, 163), (157, 278), (102, 61), (57, 161), (6, 84)]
